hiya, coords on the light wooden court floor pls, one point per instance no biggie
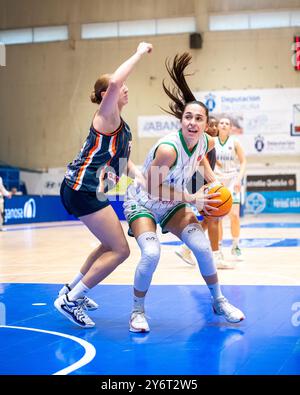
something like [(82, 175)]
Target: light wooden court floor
[(53, 253)]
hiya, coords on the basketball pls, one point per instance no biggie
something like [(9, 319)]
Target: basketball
[(225, 196)]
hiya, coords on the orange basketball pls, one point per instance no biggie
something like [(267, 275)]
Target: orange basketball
[(225, 196)]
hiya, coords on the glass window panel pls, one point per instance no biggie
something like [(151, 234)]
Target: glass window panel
[(17, 36), (50, 33), (137, 28), (268, 20), (176, 25), (229, 22), (99, 30)]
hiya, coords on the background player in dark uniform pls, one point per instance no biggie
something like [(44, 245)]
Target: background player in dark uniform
[(97, 168)]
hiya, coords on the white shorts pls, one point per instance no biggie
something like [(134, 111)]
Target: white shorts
[(137, 204), (229, 183)]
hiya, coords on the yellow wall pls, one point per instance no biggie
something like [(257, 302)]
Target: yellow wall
[(45, 112)]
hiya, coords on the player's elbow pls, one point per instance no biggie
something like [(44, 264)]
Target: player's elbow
[(114, 83)]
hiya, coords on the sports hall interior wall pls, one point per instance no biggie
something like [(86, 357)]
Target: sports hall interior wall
[(45, 110)]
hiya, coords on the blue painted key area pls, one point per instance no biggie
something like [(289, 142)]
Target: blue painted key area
[(186, 336)]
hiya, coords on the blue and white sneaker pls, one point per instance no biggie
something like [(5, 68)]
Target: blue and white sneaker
[(74, 311), (232, 314), (237, 253), (87, 303), (138, 322)]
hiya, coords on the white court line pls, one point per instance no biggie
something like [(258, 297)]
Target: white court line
[(89, 355)]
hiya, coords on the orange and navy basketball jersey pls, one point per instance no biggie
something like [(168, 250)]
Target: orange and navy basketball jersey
[(102, 157)]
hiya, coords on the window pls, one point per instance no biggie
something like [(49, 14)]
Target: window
[(147, 27), (254, 20), (51, 33), (99, 30), (269, 20), (229, 22), (34, 34), (137, 28), (17, 36)]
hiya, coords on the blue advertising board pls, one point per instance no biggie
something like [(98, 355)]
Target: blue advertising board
[(273, 202), (33, 208)]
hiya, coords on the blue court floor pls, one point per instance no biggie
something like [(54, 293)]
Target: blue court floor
[(186, 337)]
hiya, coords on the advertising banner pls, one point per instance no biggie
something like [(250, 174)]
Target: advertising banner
[(33, 209), (272, 202), (266, 120), (256, 111), (271, 182), (157, 126)]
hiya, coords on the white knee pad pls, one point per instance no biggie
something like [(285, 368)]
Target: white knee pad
[(194, 237), (150, 254)]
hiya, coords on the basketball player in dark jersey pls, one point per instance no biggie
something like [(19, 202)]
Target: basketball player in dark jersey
[(96, 169)]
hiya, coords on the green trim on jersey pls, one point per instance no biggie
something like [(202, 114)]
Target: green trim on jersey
[(189, 153), (170, 214), (206, 139), (141, 215), (222, 144), (172, 145)]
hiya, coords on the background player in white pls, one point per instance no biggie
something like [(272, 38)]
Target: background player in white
[(3, 193), (230, 170), (169, 165)]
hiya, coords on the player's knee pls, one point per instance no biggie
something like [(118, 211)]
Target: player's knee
[(234, 216), (194, 237), (150, 258), (123, 252)]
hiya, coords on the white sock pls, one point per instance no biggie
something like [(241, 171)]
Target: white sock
[(138, 303), (78, 291), (215, 290), (76, 280), (235, 242)]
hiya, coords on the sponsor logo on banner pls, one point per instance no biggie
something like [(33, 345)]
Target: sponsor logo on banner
[(259, 143), (271, 182), (266, 120), (255, 203), (28, 211), (157, 125), (210, 102), (270, 145), (273, 202)]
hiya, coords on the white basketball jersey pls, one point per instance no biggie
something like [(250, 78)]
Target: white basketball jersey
[(186, 161), (227, 165), (180, 173)]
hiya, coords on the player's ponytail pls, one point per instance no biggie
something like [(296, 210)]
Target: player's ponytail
[(180, 93)]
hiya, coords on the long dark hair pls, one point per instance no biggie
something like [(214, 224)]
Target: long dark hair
[(180, 93)]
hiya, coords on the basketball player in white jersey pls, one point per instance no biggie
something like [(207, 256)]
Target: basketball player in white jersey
[(168, 167), (3, 193), (230, 170), (210, 223)]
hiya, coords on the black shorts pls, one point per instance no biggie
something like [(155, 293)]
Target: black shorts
[(79, 203)]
